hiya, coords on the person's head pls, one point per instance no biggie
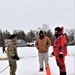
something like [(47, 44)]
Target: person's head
[(41, 34), (13, 37), (58, 31)]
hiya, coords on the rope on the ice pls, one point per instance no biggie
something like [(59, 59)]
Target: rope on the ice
[(4, 69)]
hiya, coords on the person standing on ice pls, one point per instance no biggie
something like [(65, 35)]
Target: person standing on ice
[(12, 54), (42, 44), (60, 49)]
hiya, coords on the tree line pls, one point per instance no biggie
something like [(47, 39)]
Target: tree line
[(33, 34)]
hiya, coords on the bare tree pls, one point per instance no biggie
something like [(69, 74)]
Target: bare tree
[(44, 27)]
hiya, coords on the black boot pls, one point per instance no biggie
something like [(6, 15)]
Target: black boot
[(64, 73), (41, 69)]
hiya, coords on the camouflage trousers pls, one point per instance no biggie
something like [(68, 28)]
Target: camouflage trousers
[(13, 67)]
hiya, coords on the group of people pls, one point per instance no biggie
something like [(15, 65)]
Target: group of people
[(42, 44)]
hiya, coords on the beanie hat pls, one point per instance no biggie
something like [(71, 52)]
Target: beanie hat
[(58, 29), (41, 32)]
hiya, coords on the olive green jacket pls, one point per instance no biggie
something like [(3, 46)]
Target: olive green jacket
[(11, 50)]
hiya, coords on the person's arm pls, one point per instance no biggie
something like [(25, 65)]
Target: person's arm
[(63, 44), (13, 52), (48, 42), (16, 54), (36, 44)]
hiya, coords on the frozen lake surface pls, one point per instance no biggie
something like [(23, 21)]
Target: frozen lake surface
[(29, 65)]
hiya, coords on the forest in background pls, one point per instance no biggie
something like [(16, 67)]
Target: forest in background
[(33, 34)]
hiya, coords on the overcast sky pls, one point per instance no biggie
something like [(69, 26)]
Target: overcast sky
[(31, 14)]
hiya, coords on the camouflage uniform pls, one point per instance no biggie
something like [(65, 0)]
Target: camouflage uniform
[(11, 52)]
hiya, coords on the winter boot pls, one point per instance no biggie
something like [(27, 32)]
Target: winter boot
[(64, 73), (41, 69)]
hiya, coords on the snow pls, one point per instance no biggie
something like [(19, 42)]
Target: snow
[(29, 65)]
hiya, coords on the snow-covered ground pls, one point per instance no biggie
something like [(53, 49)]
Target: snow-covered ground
[(29, 65)]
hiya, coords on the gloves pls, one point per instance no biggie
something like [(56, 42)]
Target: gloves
[(60, 55), (52, 53), (15, 57)]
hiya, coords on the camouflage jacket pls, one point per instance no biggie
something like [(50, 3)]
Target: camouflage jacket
[(11, 50)]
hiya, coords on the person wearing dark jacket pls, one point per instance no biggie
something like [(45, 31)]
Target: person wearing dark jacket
[(60, 49)]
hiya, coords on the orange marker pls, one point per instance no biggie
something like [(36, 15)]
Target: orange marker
[(48, 72)]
